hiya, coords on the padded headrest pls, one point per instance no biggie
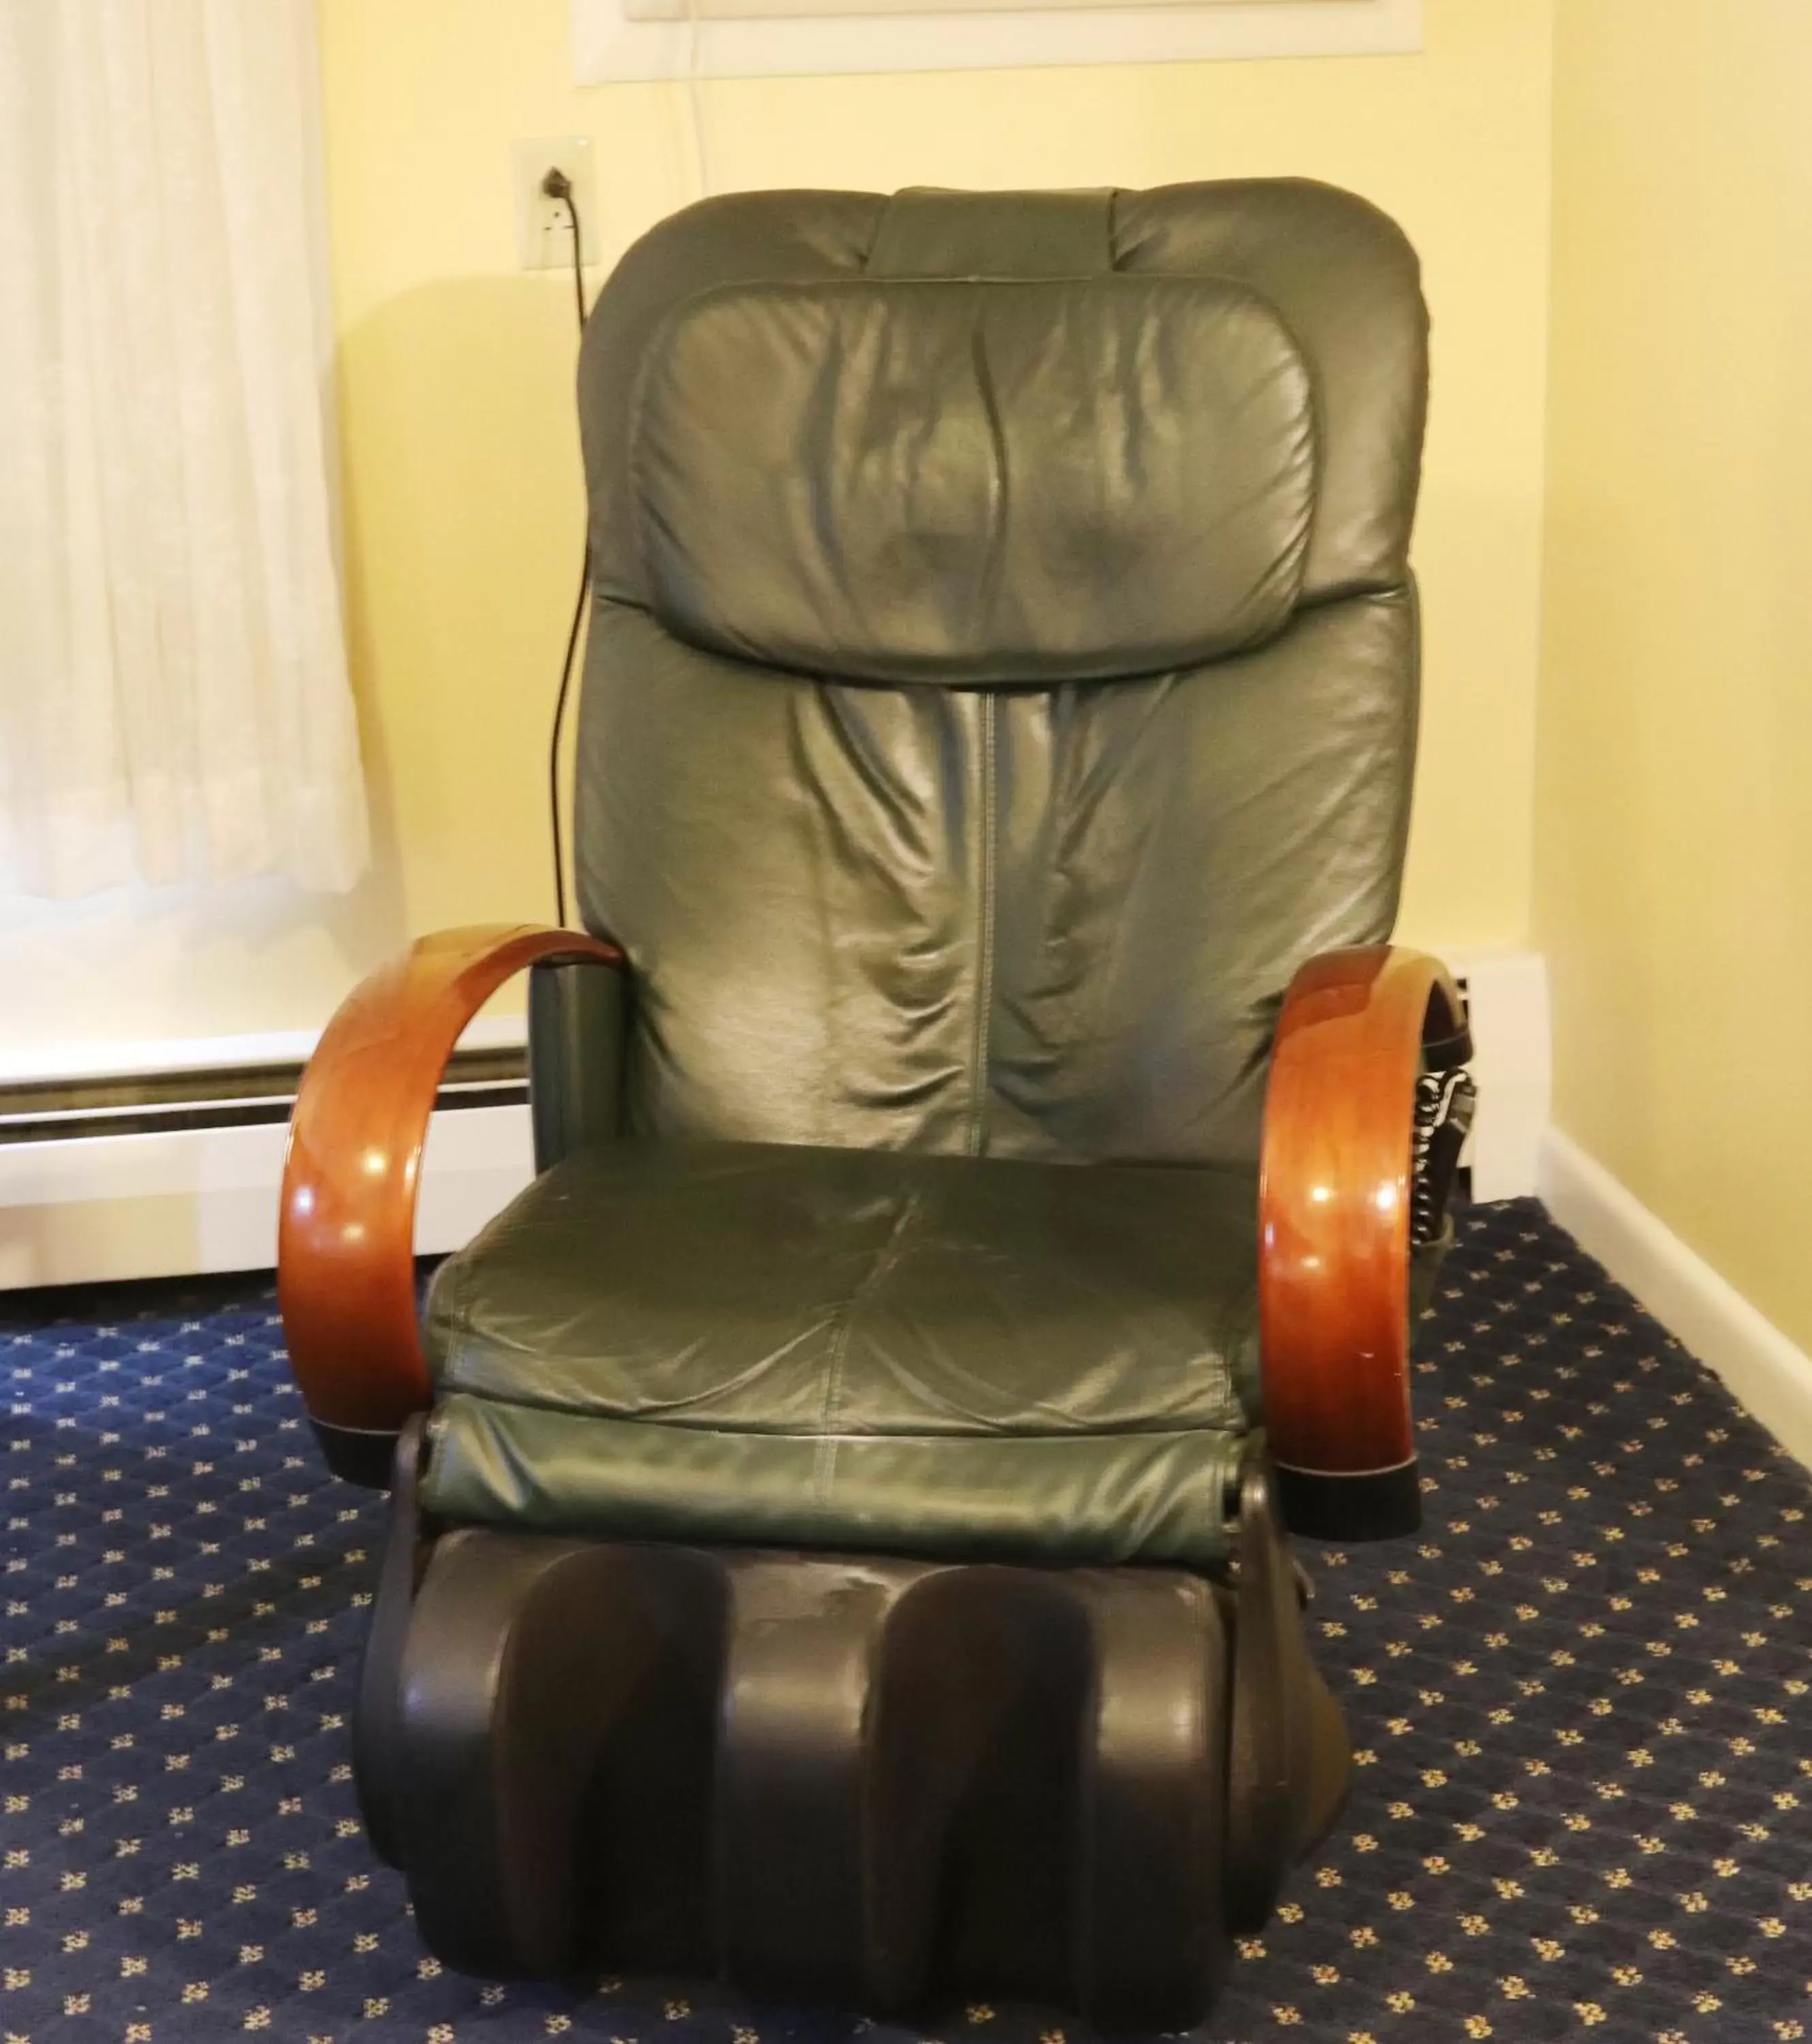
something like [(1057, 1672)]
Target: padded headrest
[(994, 436), (975, 481)]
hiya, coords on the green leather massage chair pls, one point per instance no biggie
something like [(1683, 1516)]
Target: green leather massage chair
[(986, 1145)]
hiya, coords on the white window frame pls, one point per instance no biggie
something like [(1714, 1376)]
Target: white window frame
[(729, 41)]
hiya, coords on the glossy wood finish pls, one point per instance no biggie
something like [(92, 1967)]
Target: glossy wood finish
[(346, 1241), (1334, 1206)]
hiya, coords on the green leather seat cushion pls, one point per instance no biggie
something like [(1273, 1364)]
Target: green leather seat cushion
[(853, 1349)]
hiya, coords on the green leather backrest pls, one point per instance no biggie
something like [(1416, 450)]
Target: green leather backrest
[(1002, 673)]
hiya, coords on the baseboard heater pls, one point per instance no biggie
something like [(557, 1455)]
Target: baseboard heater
[(175, 1172), (169, 1173)]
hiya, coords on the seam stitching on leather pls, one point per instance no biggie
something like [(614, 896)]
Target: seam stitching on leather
[(985, 936), (827, 1441), (880, 213), (1079, 1437), (461, 1332)]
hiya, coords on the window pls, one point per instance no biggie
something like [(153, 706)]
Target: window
[(174, 702), (646, 39)]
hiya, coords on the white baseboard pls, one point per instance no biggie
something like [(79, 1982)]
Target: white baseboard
[(183, 1201), (1766, 1372)]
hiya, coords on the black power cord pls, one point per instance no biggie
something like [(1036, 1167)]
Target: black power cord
[(558, 186)]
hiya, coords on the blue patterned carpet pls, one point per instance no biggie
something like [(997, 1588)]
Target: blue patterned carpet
[(1584, 1806)]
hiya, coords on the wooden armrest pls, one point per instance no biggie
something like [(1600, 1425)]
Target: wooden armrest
[(346, 1236), (1334, 1235)]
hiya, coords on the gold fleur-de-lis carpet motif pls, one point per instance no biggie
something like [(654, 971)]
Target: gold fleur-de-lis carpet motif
[(1583, 1805)]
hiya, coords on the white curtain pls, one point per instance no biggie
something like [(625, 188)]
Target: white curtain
[(173, 702)]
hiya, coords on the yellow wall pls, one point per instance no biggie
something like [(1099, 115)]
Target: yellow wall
[(1660, 848), (1673, 887), (461, 463), (462, 495)]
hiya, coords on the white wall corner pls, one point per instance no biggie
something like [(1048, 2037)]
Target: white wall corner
[(1513, 1063), (1761, 1367)]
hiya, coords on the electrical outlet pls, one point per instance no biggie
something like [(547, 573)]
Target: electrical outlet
[(543, 233)]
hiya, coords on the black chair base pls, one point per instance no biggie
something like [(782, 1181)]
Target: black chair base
[(868, 1781)]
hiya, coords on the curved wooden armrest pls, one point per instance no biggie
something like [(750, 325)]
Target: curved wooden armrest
[(1334, 1235), (346, 1236)]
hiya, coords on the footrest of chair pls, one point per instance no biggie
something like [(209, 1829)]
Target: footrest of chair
[(838, 1779)]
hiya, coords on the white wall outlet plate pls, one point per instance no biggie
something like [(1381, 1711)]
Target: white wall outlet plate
[(544, 232)]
